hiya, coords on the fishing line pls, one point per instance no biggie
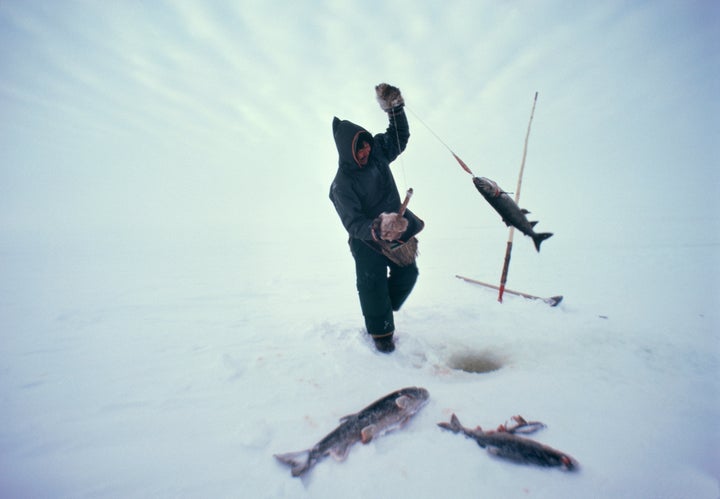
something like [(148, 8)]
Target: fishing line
[(402, 161), (428, 127), (457, 158)]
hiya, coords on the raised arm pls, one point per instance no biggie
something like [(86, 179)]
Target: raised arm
[(396, 137)]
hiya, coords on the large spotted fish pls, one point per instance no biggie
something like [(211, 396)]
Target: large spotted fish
[(390, 412)]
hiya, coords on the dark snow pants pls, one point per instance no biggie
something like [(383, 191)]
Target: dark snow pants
[(381, 292)]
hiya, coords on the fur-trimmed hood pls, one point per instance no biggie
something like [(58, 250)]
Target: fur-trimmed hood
[(360, 194), (348, 137)]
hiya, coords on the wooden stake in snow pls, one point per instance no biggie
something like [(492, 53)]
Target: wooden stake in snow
[(508, 249)]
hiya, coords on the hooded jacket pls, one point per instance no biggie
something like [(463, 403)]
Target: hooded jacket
[(361, 193)]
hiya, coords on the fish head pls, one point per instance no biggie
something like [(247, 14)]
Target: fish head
[(487, 187), (411, 400)]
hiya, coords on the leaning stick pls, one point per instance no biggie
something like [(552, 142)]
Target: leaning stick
[(552, 301), (508, 249)]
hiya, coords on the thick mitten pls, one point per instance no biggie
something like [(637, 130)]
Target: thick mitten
[(388, 97), (392, 226)]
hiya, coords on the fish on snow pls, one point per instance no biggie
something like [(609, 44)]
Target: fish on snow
[(504, 442), (390, 412)]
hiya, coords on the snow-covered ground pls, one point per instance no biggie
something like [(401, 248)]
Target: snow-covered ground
[(139, 368)]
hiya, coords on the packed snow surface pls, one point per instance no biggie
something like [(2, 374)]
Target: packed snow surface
[(179, 369)]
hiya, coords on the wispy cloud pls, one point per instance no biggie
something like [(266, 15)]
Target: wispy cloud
[(247, 90)]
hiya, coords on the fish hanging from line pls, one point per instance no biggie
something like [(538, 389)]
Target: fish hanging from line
[(510, 212)]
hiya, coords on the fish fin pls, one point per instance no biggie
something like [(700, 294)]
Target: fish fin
[(340, 452), (402, 401), (525, 212), (455, 422), (507, 453), (367, 433), (299, 462), (569, 463), (495, 451), (527, 427), (539, 238), (349, 416), (533, 224)]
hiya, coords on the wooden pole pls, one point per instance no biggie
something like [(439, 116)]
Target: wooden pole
[(553, 301), (508, 249)]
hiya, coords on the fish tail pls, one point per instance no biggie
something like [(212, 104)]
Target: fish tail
[(454, 425), (299, 462), (539, 238)]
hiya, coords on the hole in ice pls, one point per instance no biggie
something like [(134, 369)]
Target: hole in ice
[(474, 362)]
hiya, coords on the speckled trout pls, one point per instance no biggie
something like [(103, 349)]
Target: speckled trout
[(388, 413)]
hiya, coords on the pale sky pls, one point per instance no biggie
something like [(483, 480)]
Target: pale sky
[(191, 116)]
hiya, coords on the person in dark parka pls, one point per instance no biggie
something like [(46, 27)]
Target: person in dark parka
[(367, 200)]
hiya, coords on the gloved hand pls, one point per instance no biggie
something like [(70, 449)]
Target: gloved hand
[(388, 97), (390, 226)]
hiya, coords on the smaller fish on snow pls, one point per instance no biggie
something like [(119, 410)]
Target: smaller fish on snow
[(504, 443)]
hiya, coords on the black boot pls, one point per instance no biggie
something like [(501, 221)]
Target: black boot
[(384, 343)]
